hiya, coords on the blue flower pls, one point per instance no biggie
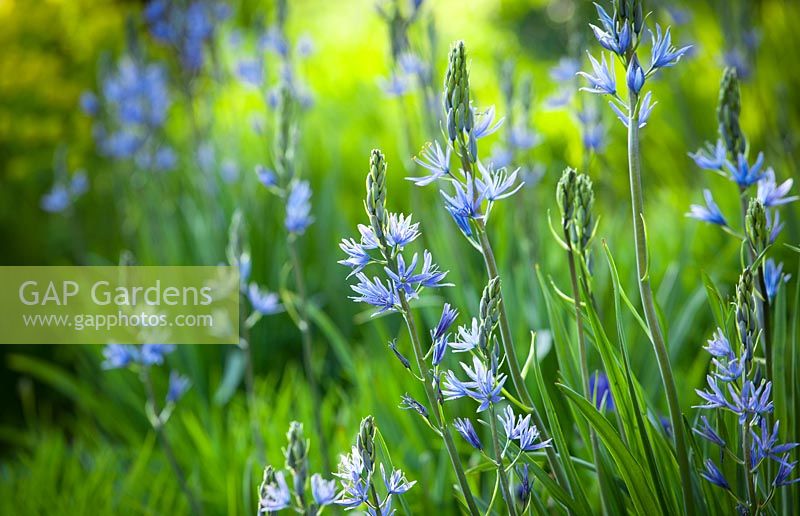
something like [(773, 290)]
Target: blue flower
[(435, 160), (714, 475), (396, 483), (708, 433), (663, 53), (56, 200), (375, 293), (494, 185), (784, 472), (264, 302), (276, 496), (603, 81), (645, 109), (742, 173), (565, 70), (766, 445), (635, 75), (357, 256), (396, 85), (89, 103), (400, 230), (719, 346), (410, 64), (323, 491), (771, 194), (483, 123), (273, 41), (354, 478), (610, 38), (529, 439), (525, 487), (266, 176), (251, 71), (774, 225), (178, 385), (409, 403), (298, 208), (119, 355), (79, 184), (445, 321), (711, 157), (774, 277), (709, 213), (729, 370), (521, 429), (467, 431), (404, 278), (154, 354), (439, 347), (464, 203), (522, 137), (483, 386), (305, 46), (752, 401), (469, 337), (601, 391)]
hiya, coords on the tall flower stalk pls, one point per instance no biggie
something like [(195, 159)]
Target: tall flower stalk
[(477, 186), (382, 242), (621, 34)]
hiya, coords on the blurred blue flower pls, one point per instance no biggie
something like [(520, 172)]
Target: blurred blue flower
[(264, 302), (276, 495), (89, 103), (154, 354), (601, 391), (266, 176), (118, 356), (709, 213), (251, 71), (178, 385), (396, 85), (565, 70), (56, 200), (467, 431), (298, 207), (304, 46), (712, 157), (323, 491), (409, 403), (484, 123)]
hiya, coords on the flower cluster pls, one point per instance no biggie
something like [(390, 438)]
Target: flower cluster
[(733, 386), (383, 243), (621, 33), (356, 476), (186, 27), (476, 185), (130, 111)]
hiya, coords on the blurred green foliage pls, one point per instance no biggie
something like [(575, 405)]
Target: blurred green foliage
[(77, 439)]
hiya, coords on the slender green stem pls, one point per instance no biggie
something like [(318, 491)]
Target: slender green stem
[(249, 385), (765, 320), (308, 363), (452, 451), (197, 509), (513, 364), (651, 317), (501, 471), (584, 365)]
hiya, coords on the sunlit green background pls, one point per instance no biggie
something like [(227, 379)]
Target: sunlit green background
[(75, 438)]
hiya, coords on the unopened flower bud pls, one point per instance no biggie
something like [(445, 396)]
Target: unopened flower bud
[(756, 226), (375, 201), (728, 111)]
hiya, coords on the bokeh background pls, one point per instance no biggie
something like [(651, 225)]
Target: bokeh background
[(75, 437)]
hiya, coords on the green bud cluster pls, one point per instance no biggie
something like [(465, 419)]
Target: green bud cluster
[(365, 442), (756, 226), (575, 198), (489, 312), (630, 11), (296, 454), (458, 111), (746, 315), (375, 201), (268, 478), (729, 108)]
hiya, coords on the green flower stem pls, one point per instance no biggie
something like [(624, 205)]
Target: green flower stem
[(249, 382), (513, 365), (646, 292), (452, 451), (308, 364), (584, 363), (498, 458), (765, 319), (197, 509)]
